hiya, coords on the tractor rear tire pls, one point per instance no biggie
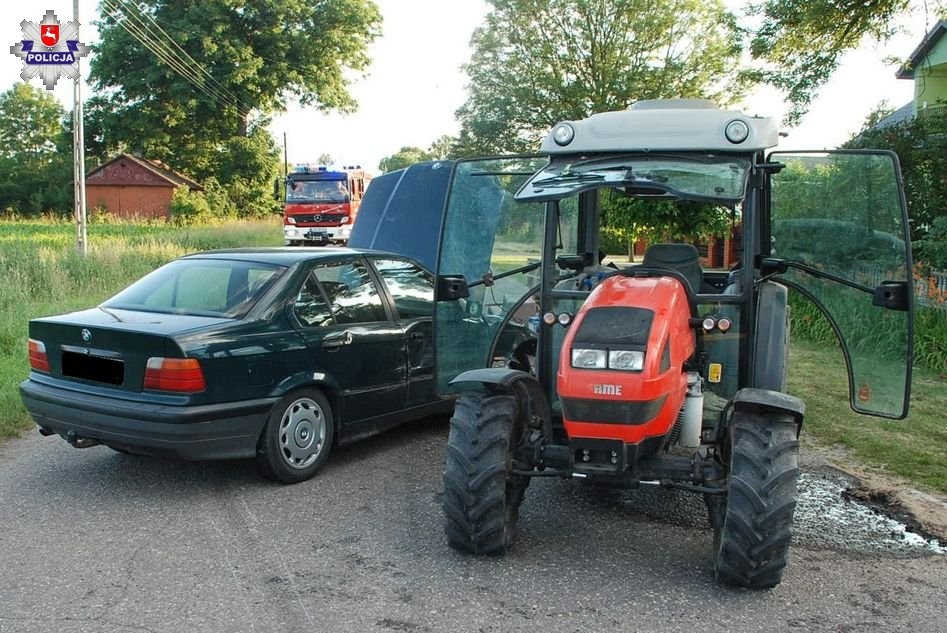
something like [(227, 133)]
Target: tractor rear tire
[(752, 545), (481, 498)]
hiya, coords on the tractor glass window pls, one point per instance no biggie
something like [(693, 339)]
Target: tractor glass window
[(496, 244), (709, 178), (840, 220)]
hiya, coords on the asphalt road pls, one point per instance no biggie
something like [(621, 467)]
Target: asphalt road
[(91, 540)]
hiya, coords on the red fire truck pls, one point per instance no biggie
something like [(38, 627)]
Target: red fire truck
[(321, 205)]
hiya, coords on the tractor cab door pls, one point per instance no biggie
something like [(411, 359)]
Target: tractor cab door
[(839, 234), (488, 266)]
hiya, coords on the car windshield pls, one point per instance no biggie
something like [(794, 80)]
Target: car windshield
[(702, 177), (316, 191), (201, 287)]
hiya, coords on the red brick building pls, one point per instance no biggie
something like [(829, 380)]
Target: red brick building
[(129, 186)]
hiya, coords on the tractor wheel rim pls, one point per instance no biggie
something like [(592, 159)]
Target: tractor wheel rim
[(302, 433)]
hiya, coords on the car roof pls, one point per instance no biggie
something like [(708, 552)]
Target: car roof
[(284, 256)]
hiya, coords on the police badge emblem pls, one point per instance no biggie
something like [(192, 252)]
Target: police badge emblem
[(49, 50)]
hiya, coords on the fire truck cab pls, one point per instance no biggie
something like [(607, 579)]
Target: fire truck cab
[(320, 205)]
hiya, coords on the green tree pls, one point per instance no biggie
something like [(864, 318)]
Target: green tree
[(443, 147), (404, 157), (799, 43), (249, 59), (662, 220), (34, 176), (921, 146), (537, 62)]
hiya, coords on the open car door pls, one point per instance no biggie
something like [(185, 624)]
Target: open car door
[(839, 234)]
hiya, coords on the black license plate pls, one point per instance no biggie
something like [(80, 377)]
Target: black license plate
[(95, 368)]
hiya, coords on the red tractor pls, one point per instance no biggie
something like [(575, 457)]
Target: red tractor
[(668, 373)]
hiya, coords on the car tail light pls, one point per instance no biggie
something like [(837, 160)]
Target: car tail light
[(38, 359), (174, 374)]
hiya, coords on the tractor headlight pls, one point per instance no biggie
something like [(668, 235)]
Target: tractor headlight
[(626, 360), (588, 358)]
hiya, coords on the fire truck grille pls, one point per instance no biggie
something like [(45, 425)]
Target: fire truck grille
[(318, 218)]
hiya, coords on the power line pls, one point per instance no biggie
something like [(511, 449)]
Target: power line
[(137, 28), (164, 35)]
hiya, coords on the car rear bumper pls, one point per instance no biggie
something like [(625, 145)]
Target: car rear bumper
[(217, 431)]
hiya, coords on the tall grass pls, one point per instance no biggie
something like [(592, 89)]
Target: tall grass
[(42, 274), (930, 330)]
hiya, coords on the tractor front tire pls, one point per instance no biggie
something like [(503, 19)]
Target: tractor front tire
[(752, 545), (481, 498)]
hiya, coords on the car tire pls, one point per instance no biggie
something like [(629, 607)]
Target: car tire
[(297, 438)]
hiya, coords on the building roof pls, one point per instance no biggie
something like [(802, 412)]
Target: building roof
[(902, 114), (159, 169), (929, 42)]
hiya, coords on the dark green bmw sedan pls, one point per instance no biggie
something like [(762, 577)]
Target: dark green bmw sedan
[(275, 354)]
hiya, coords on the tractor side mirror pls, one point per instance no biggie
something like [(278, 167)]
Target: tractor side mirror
[(451, 288), (892, 295), (276, 189)]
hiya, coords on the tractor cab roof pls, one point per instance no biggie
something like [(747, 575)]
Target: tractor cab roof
[(684, 149), (664, 125)]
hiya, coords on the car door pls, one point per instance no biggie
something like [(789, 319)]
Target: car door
[(839, 234), (343, 318), (411, 288)]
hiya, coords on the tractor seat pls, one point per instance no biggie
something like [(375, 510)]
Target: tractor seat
[(682, 258)]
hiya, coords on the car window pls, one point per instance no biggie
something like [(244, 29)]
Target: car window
[(411, 287), (352, 294), (206, 287), (310, 307)]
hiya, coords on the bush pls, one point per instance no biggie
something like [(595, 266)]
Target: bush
[(933, 248), (189, 207)]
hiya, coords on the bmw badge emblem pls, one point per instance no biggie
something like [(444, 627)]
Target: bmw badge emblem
[(86, 335)]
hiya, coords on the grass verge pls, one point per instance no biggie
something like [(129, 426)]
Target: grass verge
[(914, 448)]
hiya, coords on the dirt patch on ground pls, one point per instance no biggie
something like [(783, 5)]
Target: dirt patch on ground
[(924, 513)]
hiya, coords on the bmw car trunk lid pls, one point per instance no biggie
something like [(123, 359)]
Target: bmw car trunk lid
[(110, 348)]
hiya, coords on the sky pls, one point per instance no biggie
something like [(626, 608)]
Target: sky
[(415, 83)]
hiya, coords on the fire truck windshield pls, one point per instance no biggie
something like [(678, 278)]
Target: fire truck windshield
[(316, 191)]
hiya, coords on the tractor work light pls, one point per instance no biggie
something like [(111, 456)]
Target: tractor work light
[(564, 319), (588, 358), (549, 318), (708, 323), (724, 324), (626, 360), (563, 134), (736, 131)]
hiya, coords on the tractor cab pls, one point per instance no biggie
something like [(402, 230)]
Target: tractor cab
[(669, 371)]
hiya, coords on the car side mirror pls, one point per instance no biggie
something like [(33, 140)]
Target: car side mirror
[(451, 288)]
